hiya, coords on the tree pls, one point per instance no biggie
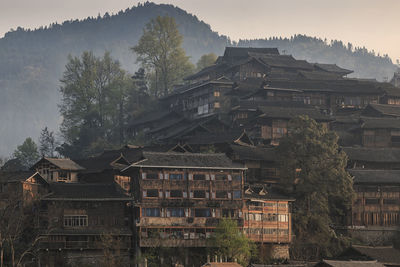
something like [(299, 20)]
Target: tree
[(205, 61), (94, 95), (228, 241), (27, 153), (313, 172), (47, 143), (160, 52)]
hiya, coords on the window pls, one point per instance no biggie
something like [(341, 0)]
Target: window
[(75, 220), (202, 213), (62, 175), (150, 193), (199, 194), (151, 212), (217, 105), (176, 176), (371, 201), (269, 231), (282, 205), (237, 177), (229, 213), (175, 212), (221, 194), (237, 194), (220, 177), (151, 176), (176, 193), (199, 177), (217, 93), (392, 201), (283, 217)]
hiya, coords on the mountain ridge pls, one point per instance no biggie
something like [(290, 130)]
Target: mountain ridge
[(32, 61)]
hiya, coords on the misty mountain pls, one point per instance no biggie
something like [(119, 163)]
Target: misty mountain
[(32, 61)]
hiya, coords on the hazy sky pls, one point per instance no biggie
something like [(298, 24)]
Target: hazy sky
[(371, 23)]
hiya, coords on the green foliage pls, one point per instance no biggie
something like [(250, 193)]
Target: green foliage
[(228, 241), (95, 95), (47, 143), (27, 153), (205, 61), (313, 172), (160, 51)]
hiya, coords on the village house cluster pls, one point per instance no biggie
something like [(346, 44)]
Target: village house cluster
[(214, 157)]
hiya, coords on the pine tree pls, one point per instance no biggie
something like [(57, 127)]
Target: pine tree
[(27, 153), (47, 143)]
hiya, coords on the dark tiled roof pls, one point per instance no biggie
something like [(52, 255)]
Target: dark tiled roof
[(391, 90), (263, 192), (333, 68), (239, 52), (334, 263), (187, 160), (380, 123), (282, 61), (320, 75), (254, 153), (18, 176), (65, 164), (375, 176), (384, 155), (213, 138), (381, 254), (151, 116), (78, 191), (291, 112), (385, 110)]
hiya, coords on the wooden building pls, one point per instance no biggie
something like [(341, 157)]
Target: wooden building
[(79, 221), (376, 208), (267, 220), (58, 170), (180, 197)]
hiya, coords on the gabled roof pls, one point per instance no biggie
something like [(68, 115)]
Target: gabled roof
[(332, 68), (187, 161), (375, 176), (320, 75), (63, 164), (75, 191), (291, 112), (18, 176), (385, 255), (151, 116), (335, 263), (240, 52), (372, 154), (382, 110), (254, 153), (380, 123), (281, 61), (262, 192)]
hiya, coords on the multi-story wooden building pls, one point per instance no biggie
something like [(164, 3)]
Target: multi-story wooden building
[(79, 222), (376, 208), (179, 197), (267, 220)]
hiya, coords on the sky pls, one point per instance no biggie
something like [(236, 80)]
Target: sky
[(374, 24)]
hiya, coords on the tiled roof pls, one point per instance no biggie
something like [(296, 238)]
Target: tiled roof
[(291, 112), (65, 164), (254, 153), (18, 176), (78, 191), (385, 110), (186, 160), (332, 68), (362, 176), (263, 192), (334, 263), (381, 254), (380, 123), (385, 155)]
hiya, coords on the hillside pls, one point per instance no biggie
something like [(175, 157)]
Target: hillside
[(32, 61)]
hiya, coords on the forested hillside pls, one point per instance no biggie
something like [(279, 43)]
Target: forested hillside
[(32, 61)]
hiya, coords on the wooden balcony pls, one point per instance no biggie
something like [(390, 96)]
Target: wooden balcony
[(155, 242)]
